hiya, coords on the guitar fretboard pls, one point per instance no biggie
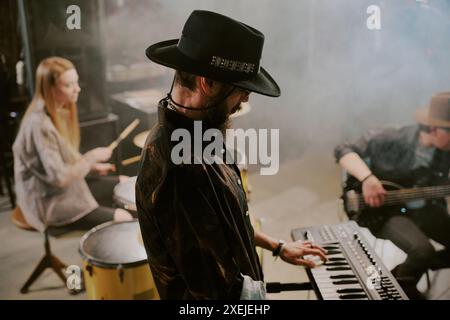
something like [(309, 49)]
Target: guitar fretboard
[(394, 197)]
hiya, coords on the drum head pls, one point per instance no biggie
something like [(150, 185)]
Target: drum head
[(124, 193), (114, 243), (139, 139)]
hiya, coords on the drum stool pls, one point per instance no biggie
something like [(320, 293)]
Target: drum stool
[(49, 260)]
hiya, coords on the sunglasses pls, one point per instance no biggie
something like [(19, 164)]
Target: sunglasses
[(428, 129), (446, 129)]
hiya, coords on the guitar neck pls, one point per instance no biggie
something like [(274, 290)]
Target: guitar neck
[(400, 196)]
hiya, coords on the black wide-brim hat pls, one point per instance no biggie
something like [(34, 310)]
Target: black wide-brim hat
[(219, 48)]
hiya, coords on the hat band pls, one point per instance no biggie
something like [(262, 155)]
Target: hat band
[(234, 65), (196, 51)]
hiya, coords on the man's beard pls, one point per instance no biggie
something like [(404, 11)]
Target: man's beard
[(218, 117)]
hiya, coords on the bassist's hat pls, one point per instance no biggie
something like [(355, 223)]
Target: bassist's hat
[(437, 114)]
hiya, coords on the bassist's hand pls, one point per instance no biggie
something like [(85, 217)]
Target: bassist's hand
[(373, 192)]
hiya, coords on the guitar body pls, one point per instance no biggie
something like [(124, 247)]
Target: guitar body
[(374, 218)]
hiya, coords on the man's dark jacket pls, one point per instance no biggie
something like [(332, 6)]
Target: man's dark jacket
[(194, 220)]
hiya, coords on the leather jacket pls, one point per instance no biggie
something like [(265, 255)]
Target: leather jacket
[(194, 219)]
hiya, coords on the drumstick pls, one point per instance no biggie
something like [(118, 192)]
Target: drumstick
[(131, 160), (124, 134)]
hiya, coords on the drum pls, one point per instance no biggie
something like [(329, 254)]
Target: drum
[(124, 194), (115, 263), (139, 139)]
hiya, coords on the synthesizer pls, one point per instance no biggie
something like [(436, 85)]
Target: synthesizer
[(353, 271)]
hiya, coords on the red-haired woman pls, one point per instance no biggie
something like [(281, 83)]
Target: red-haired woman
[(50, 173)]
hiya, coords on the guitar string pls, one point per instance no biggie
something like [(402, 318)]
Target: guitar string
[(395, 196)]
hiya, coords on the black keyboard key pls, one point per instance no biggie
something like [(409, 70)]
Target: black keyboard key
[(336, 263), (331, 252), (336, 259), (331, 247), (352, 296), (350, 290), (338, 282), (343, 276), (338, 269)]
